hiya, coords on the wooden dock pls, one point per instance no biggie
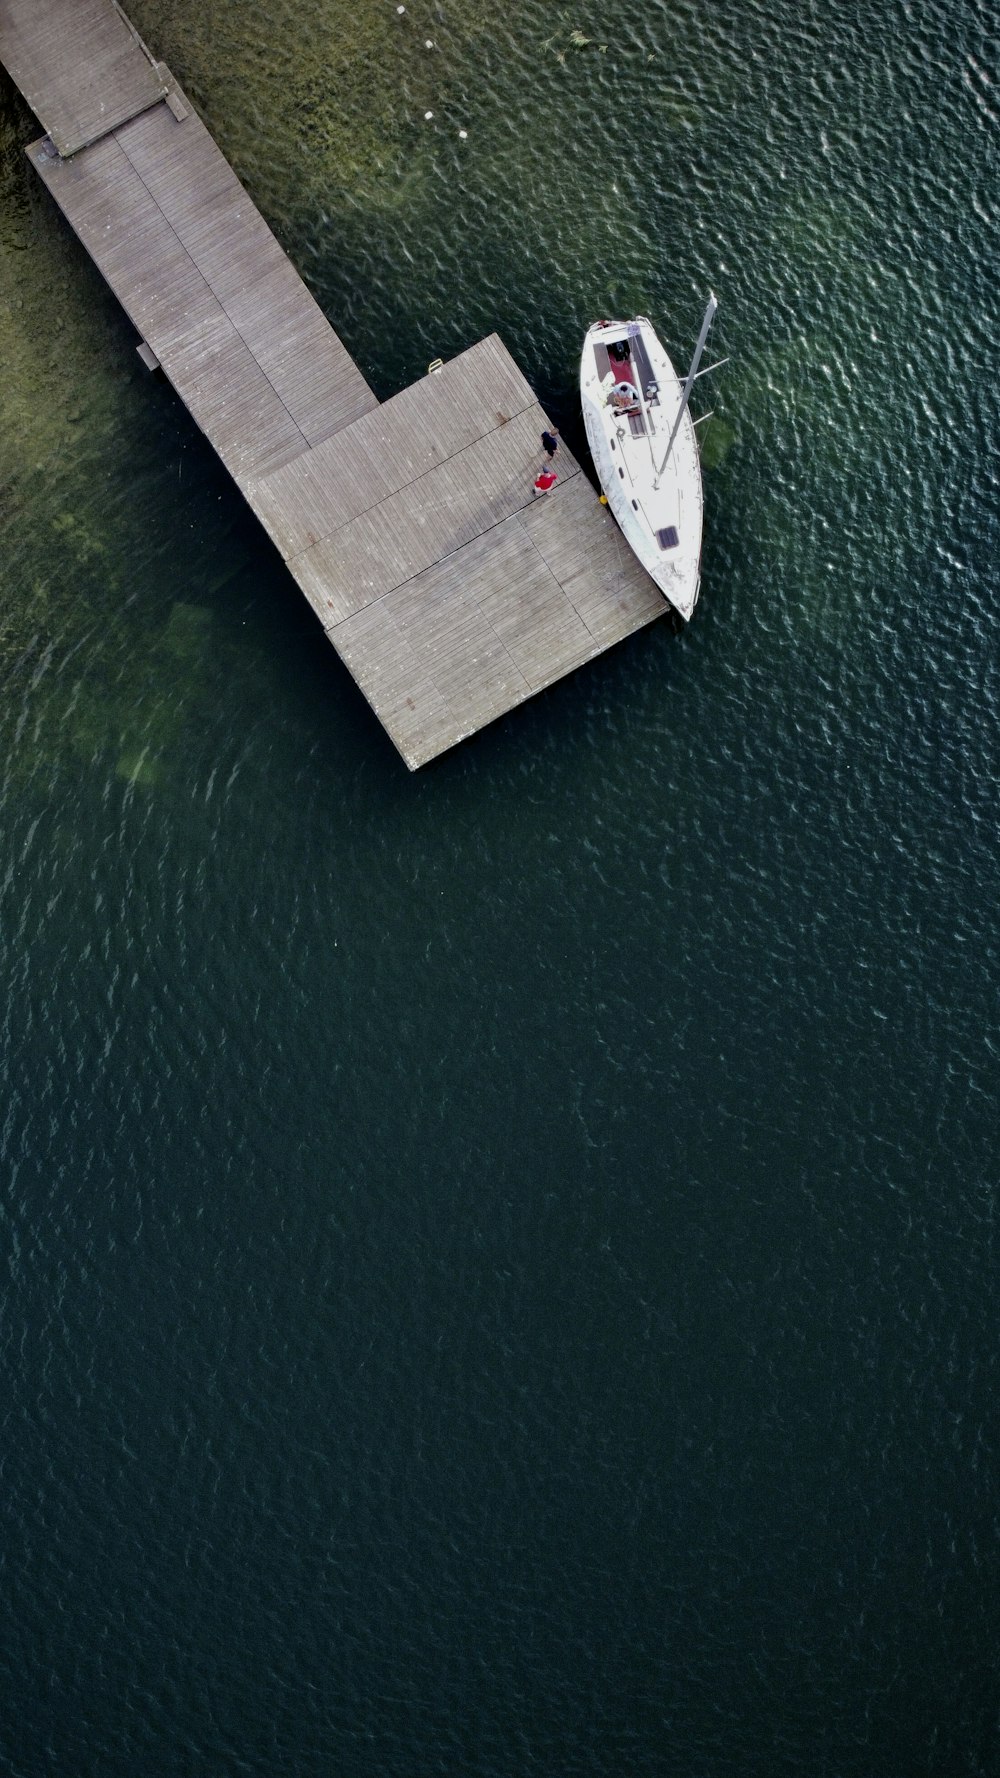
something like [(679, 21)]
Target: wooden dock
[(449, 591), (80, 66)]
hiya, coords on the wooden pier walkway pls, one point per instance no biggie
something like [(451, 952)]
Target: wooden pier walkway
[(448, 590)]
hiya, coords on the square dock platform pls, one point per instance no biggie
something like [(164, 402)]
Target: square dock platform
[(448, 588)]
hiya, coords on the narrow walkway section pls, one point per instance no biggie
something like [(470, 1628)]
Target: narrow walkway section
[(79, 64), (198, 271), (450, 593)]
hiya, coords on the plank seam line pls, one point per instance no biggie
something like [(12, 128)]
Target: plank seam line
[(427, 665), (559, 583), (528, 688), (417, 479), (439, 559), (570, 602), (344, 444), (215, 297), (449, 705), (147, 52), (445, 700)]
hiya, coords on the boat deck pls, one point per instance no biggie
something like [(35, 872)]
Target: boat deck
[(639, 361), (653, 487)]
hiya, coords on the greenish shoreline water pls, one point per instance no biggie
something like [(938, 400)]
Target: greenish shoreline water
[(500, 1265)]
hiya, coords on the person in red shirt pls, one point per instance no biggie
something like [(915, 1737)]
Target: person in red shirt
[(545, 479)]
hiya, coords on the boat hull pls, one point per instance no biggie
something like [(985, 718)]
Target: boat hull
[(630, 396)]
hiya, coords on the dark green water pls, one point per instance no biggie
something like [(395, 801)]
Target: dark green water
[(499, 1265)]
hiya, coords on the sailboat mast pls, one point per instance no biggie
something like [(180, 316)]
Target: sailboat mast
[(689, 383)]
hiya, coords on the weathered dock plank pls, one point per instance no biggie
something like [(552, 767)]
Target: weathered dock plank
[(285, 330), (200, 274), (478, 632), (415, 432), (429, 518), (80, 66), (581, 544)]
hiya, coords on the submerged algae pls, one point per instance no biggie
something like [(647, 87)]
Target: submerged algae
[(336, 113), (716, 440), (174, 665)]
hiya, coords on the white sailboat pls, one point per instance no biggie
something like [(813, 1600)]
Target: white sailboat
[(645, 450)]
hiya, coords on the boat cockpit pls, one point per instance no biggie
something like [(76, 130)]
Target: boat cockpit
[(626, 377)]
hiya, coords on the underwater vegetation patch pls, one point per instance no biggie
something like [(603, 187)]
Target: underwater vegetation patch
[(154, 712), (716, 438), (137, 768), (186, 636), (83, 540), (341, 104)]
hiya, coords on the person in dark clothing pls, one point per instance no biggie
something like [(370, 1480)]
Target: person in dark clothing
[(550, 442)]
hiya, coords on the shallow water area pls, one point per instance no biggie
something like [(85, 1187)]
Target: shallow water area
[(500, 1263)]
